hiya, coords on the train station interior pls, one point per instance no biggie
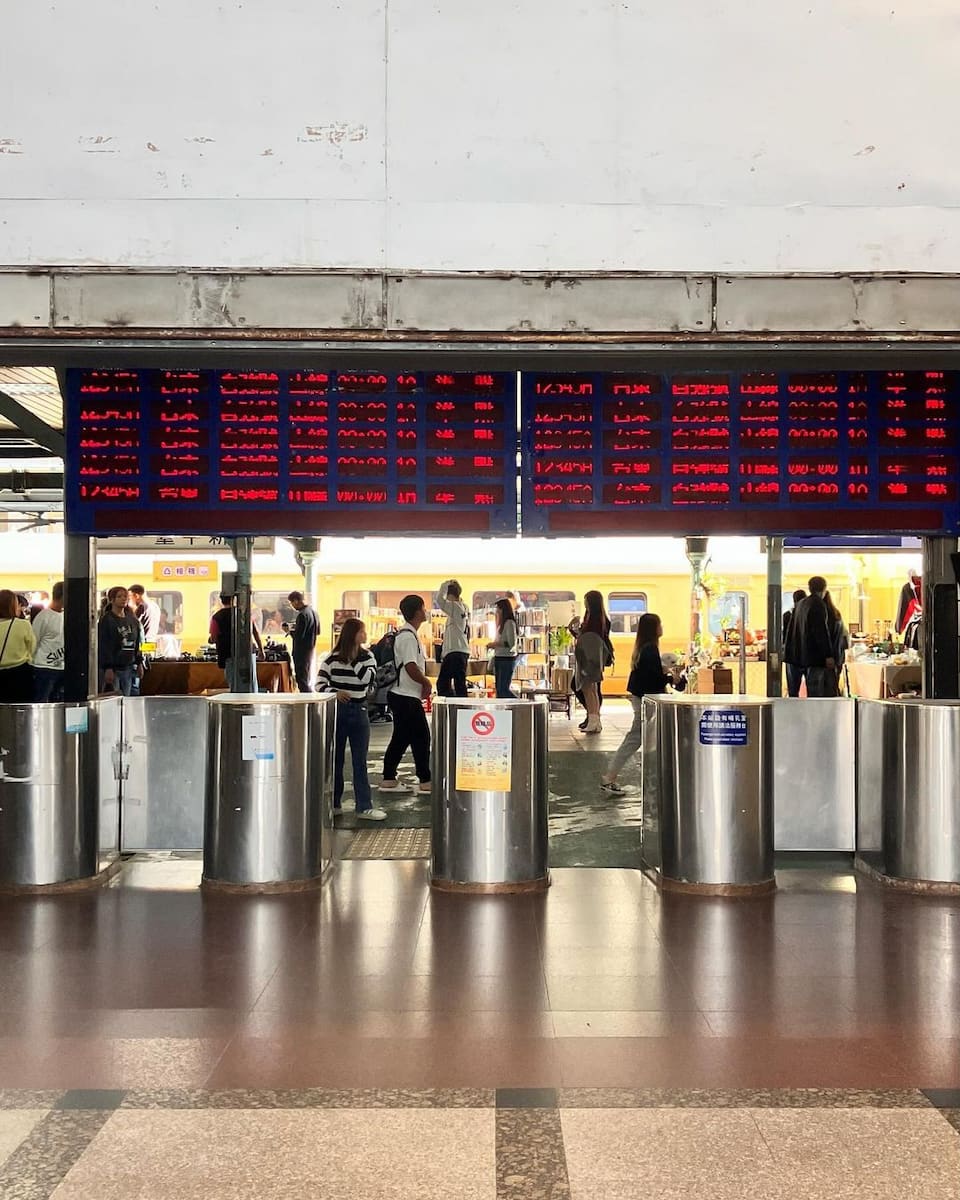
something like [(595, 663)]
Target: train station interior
[(729, 1005), (479, 601)]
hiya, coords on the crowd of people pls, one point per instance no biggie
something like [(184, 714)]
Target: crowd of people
[(31, 648)]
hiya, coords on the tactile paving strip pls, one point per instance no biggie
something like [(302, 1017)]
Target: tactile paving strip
[(389, 843)]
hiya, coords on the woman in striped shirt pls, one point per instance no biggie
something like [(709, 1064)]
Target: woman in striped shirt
[(349, 670)]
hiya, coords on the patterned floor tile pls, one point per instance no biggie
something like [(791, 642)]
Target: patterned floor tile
[(288, 1155)]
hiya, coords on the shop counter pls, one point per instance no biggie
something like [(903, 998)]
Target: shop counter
[(880, 680), (195, 678)]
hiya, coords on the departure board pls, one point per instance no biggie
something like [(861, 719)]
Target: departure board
[(739, 452), (250, 452)]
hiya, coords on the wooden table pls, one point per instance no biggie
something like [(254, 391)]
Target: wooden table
[(194, 678)]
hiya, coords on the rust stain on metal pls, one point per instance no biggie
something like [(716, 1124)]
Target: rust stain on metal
[(200, 140), (335, 133), (98, 144)]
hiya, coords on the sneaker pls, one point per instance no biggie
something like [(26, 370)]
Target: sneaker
[(389, 785), (372, 814), (425, 789), (612, 789)]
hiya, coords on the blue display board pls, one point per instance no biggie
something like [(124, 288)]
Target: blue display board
[(855, 452), (239, 453)]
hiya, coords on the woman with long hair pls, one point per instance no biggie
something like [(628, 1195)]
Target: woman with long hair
[(838, 634), (592, 653), (504, 647), (17, 646), (349, 670), (647, 677)]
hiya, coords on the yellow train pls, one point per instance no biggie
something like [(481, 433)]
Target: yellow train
[(635, 575)]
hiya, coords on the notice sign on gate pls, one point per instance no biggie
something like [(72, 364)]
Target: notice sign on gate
[(484, 740), (723, 727)]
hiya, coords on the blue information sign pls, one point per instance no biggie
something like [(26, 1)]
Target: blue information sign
[(723, 727)]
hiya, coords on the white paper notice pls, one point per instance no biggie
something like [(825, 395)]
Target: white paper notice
[(484, 739), (257, 738), (76, 720)]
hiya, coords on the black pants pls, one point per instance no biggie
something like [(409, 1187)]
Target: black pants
[(452, 680), (410, 729), (303, 669), (795, 676)]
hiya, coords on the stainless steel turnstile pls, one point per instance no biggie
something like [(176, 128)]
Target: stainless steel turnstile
[(908, 790), (51, 788), (268, 811), (708, 787), (490, 795)]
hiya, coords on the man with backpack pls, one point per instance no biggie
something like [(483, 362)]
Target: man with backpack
[(456, 645), (406, 697)]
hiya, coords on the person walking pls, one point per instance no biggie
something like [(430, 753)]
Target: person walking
[(406, 697), (17, 646), (504, 647), (455, 652), (809, 643), (647, 678), (591, 654), (795, 673), (48, 656), (349, 671), (118, 645), (303, 641)]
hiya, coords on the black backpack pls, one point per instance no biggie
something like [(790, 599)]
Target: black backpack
[(386, 663)]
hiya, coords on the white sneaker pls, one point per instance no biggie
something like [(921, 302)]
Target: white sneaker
[(425, 789), (389, 785), (372, 814)]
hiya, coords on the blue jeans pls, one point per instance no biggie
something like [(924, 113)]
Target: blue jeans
[(353, 726), (230, 670), (47, 685), (123, 679), (795, 676), (502, 674)]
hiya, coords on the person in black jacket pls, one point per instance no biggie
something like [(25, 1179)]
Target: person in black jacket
[(303, 641), (809, 642), (647, 677), (795, 672), (118, 645)]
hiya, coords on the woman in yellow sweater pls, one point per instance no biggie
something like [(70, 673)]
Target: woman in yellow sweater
[(17, 645)]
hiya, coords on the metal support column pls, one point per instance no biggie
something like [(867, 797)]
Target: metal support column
[(774, 547), (941, 627), (308, 552), (79, 617), (242, 621)]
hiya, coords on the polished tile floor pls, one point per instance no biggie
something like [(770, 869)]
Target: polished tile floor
[(580, 1043)]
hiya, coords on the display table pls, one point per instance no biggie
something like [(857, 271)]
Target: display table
[(879, 680), (195, 678)]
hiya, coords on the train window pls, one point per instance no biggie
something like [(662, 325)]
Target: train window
[(273, 609), (171, 610), (270, 610), (531, 599), (625, 609), (725, 612), (364, 601)]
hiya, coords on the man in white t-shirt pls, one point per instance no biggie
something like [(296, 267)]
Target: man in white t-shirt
[(48, 656), (455, 653), (147, 612), (406, 697)]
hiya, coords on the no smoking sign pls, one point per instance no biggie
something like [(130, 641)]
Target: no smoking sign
[(483, 723)]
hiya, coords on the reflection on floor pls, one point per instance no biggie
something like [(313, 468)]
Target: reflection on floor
[(378, 1040), (587, 827)]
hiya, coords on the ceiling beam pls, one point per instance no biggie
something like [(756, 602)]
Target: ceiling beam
[(31, 426)]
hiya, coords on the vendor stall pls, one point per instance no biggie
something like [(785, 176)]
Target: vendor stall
[(194, 678)]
